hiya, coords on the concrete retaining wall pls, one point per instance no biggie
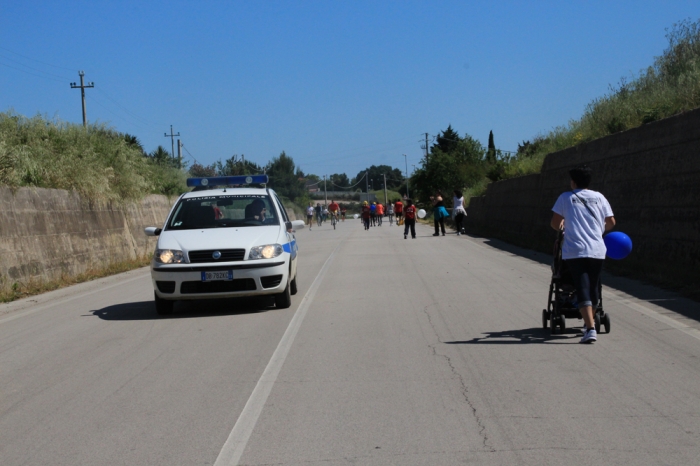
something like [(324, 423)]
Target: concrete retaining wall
[(650, 175), (47, 233)]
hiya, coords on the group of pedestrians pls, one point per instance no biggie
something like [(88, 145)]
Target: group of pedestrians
[(324, 212), (373, 214)]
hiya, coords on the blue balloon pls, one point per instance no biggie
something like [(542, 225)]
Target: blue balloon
[(619, 245)]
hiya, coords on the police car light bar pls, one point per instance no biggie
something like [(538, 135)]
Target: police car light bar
[(227, 180)]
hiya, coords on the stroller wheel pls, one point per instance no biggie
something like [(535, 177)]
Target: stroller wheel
[(545, 319), (606, 322), (597, 323), (553, 321), (562, 322)]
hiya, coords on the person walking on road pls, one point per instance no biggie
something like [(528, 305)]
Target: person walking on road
[(390, 213), (310, 214), (380, 213), (366, 214), (458, 210), (409, 219), (439, 213), (319, 213), (398, 209), (373, 213), (585, 215)]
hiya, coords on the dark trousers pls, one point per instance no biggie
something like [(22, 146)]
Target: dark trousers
[(366, 222), (409, 222), (459, 218), (585, 272), (441, 223)]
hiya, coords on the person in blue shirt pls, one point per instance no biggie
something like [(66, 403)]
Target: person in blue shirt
[(585, 215)]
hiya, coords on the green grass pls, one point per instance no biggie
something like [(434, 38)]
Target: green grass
[(671, 85), (20, 290), (97, 162)]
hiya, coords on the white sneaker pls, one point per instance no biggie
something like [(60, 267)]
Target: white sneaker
[(590, 336)]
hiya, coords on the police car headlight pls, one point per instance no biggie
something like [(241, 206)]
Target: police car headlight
[(169, 256), (265, 252)]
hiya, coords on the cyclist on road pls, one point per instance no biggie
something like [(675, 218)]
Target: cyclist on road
[(333, 210)]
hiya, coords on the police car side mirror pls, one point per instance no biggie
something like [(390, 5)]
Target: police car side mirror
[(298, 224), (152, 231), (289, 226)]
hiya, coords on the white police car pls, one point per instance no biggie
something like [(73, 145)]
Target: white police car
[(222, 240)]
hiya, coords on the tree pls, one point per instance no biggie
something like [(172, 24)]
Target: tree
[(447, 141), (162, 157), (133, 141), (491, 153), (202, 171), (237, 166), (283, 177), (340, 180), (460, 167), (394, 176)]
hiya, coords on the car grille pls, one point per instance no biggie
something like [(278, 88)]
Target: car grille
[(270, 281), (166, 287), (241, 284), (227, 255)]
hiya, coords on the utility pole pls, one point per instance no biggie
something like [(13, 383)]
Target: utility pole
[(386, 198), (325, 190), (172, 140), (82, 88), (366, 187), (426, 146), (243, 164), (179, 154), (406, 160)]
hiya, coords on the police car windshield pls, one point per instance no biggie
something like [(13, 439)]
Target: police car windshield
[(222, 211)]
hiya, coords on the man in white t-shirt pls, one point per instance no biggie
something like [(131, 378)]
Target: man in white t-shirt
[(587, 216), (310, 214)]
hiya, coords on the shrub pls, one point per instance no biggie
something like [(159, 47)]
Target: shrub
[(97, 162)]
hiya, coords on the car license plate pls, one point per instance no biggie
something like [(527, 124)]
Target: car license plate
[(217, 276)]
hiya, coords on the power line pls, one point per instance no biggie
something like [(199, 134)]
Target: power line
[(32, 59), (32, 68), (33, 74)]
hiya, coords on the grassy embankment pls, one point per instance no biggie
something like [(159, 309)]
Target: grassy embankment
[(99, 163), (671, 85)]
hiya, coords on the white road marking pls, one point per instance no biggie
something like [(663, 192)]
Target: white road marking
[(695, 333), (237, 440), (69, 299)]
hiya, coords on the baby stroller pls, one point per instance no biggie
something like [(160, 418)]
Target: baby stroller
[(562, 302)]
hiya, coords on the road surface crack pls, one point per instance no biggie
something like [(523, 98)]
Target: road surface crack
[(463, 386)]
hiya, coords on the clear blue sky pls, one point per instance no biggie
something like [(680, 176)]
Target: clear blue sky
[(339, 86)]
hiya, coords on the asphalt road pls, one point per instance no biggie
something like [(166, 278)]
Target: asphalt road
[(394, 352)]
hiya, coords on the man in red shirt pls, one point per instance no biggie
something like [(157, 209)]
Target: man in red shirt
[(380, 213), (334, 209), (410, 219), (398, 210), (365, 214)]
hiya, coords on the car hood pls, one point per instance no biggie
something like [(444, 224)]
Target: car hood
[(219, 238)]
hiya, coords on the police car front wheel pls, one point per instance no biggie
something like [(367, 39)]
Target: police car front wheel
[(283, 300)]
